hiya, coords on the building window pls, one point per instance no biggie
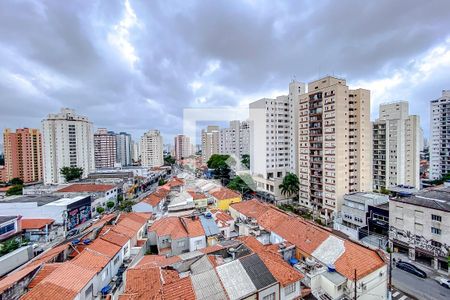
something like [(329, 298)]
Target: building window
[(289, 289), (7, 228), (116, 260), (269, 297), (435, 230), (436, 218), (180, 243)]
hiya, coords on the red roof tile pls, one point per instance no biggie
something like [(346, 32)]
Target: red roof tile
[(17, 276), (220, 215), (49, 290), (149, 261), (251, 208), (87, 187), (179, 290), (143, 283), (197, 195), (115, 238), (104, 247), (223, 193), (92, 260), (35, 223), (46, 270), (169, 226), (194, 228), (153, 200), (211, 249), (169, 276)]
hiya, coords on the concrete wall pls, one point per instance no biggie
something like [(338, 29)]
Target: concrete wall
[(142, 207), (294, 295), (270, 290), (13, 260), (372, 286), (196, 243)]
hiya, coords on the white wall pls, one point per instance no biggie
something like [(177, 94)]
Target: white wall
[(32, 210), (142, 207), (375, 286), (293, 295), (273, 289), (196, 243)]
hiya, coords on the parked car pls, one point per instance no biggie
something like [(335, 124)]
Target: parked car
[(445, 282), (410, 268)]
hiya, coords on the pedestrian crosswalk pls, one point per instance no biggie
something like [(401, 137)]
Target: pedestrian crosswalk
[(399, 295)]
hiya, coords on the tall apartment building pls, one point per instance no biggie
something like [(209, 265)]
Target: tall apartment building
[(123, 146), (68, 141), (182, 146), (235, 140), (210, 142), (152, 149), (136, 149), (396, 147), (272, 124), (440, 136), (104, 148), (335, 144), (23, 154)]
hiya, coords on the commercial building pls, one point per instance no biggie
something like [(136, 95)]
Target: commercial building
[(182, 146), (152, 149), (335, 145), (210, 142), (419, 226), (23, 154), (68, 141), (440, 136), (104, 148), (397, 141), (124, 148), (235, 140)]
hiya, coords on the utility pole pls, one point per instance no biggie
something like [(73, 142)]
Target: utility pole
[(355, 286), (390, 273)]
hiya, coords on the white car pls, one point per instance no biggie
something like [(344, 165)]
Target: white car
[(445, 282)]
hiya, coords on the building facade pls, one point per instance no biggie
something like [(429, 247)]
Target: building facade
[(68, 141), (295, 90), (335, 145), (104, 148), (418, 225), (182, 146), (152, 149), (210, 142), (397, 141), (136, 157), (440, 136), (235, 140), (23, 154), (123, 148)]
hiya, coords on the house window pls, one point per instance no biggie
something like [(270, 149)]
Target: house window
[(436, 218), (116, 260), (269, 297), (7, 228), (88, 293), (180, 243), (289, 289), (435, 230)]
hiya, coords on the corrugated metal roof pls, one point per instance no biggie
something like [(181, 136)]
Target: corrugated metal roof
[(190, 255), (207, 286), (257, 271), (235, 279), (210, 226), (201, 265)]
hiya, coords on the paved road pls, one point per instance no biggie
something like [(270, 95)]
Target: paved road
[(399, 295), (426, 289)]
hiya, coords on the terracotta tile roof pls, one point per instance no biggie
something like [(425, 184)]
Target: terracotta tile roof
[(211, 249), (169, 276), (92, 260), (130, 233), (272, 218), (365, 260), (104, 247), (282, 272), (6, 188), (49, 290), (153, 200), (197, 195), (140, 243), (46, 270), (149, 261), (179, 290), (194, 228), (49, 255), (35, 223), (220, 215), (115, 238), (169, 226), (175, 181), (13, 278), (251, 208), (223, 193), (143, 284), (137, 217), (86, 187), (163, 193)]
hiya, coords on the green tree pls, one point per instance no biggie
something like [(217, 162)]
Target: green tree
[(221, 164), (119, 197), (245, 160), (169, 160), (9, 246), (290, 185), (15, 190), (71, 173), (161, 182), (126, 205), (100, 209), (243, 184), (110, 204), (16, 181), (384, 190)]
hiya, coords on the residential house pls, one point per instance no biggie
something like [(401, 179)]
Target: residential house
[(224, 222), (195, 231), (9, 226), (212, 231), (38, 230), (152, 203), (200, 200), (169, 236), (223, 197)]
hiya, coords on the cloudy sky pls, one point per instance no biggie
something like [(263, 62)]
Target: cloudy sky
[(135, 65)]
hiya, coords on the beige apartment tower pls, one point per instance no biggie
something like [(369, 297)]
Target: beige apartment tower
[(210, 142), (334, 145)]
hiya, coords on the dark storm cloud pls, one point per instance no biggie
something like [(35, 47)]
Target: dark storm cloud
[(135, 65)]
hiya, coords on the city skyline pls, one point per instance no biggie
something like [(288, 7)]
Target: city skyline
[(117, 89)]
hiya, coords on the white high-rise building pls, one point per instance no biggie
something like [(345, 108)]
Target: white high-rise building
[(335, 145), (210, 142), (104, 148), (295, 90), (235, 140), (182, 146), (152, 149), (136, 149), (123, 146), (396, 147), (440, 136), (68, 141)]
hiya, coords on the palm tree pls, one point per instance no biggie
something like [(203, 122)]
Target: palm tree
[(290, 185)]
